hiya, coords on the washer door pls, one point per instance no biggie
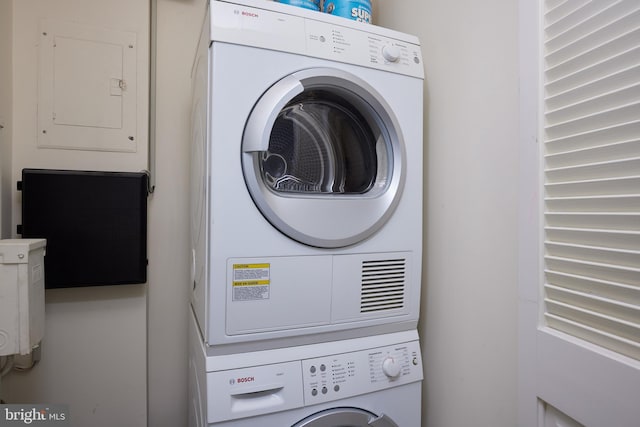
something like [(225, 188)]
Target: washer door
[(346, 417), (323, 157)]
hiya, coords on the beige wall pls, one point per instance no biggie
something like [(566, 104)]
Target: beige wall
[(469, 296), (94, 350), (6, 75), (99, 354), (469, 304), (179, 23)]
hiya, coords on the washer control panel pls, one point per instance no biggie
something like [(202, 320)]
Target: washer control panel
[(344, 375)]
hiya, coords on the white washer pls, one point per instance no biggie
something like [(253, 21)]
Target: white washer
[(306, 177), (371, 381)]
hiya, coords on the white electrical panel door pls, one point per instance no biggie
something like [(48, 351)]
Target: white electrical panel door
[(87, 83), (87, 88)]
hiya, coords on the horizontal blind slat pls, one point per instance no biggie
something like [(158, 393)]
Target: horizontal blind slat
[(574, 108), (606, 238), (597, 54), (624, 203), (623, 275), (601, 34), (612, 186), (615, 116), (606, 306), (594, 319), (601, 153), (597, 15), (593, 171), (570, 94), (593, 72), (552, 4), (591, 140), (613, 342), (602, 255), (591, 285), (570, 13), (623, 132), (607, 221)]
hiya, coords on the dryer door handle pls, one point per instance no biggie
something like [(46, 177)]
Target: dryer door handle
[(258, 130), (382, 421)]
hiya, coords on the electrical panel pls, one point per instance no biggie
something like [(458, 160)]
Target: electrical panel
[(87, 89)]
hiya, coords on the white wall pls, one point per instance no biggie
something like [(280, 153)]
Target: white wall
[(471, 113), (6, 84), (98, 354), (469, 305), (179, 23), (529, 265), (468, 324), (94, 350)]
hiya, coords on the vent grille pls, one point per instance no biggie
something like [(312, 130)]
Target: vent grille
[(383, 285)]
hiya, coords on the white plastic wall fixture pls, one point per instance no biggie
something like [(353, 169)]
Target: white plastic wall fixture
[(21, 295)]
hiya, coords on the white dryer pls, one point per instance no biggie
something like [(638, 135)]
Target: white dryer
[(306, 177), (363, 382)]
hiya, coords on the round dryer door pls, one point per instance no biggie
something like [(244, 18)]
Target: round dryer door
[(346, 417), (323, 157)]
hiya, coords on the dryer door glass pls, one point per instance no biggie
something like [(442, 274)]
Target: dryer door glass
[(321, 143), (323, 157)]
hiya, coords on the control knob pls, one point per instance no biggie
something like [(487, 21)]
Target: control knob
[(390, 53), (391, 367)]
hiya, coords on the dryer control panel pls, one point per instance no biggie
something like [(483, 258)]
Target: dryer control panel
[(276, 26), (344, 375)]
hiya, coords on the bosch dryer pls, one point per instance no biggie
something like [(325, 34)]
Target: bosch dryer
[(306, 177)]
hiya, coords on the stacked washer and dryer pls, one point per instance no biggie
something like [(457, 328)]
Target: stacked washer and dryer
[(306, 220)]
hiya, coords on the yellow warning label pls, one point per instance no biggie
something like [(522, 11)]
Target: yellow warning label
[(242, 266), (251, 281)]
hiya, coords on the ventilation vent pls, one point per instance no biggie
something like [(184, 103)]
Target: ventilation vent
[(383, 285)]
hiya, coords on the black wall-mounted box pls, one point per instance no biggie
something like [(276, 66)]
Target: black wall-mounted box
[(95, 224)]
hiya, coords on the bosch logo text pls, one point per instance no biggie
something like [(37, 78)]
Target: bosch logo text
[(245, 380), (249, 14)]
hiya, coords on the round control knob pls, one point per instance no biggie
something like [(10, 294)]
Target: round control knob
[(390, 53), (390, 367)]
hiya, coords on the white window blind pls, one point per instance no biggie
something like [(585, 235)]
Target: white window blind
[(592, 171)]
